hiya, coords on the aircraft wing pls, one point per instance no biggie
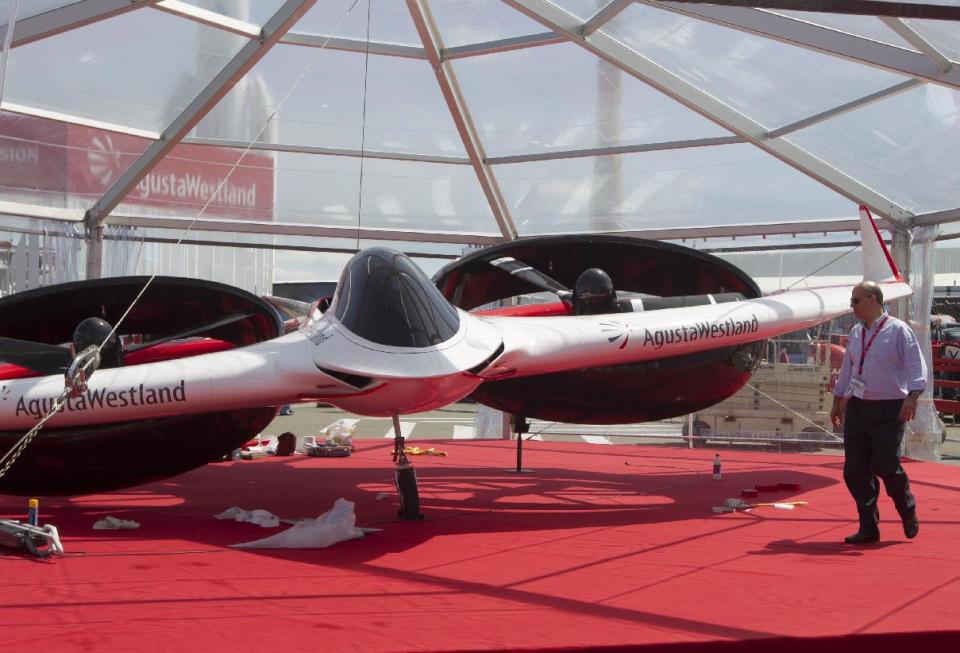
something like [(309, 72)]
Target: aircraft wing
[(544, 345)]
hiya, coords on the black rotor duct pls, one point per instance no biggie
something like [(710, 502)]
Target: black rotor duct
[(92, 332), (594, 293)]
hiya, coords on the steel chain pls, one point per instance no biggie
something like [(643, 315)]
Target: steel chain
[(11, 456)]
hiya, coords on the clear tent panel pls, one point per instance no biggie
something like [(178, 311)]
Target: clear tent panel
[(340, 100), (465, 22), (225, 183), (137, 70), (53, 164), (35, 253), (386, 21), (775, 242), (905, 146), (582, 9), (140, 250), (942, 34), (519, 108), (256, 12), (404, 195), (799, 268), (869, 27), (694, 187), (26, 9), (772, 83)]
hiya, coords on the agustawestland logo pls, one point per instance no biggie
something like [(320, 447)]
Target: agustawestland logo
[(103, 160), (103, 398), (700, 331), (4, 392), (614, 331)]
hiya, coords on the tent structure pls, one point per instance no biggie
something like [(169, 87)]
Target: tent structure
[(257, 141), (291, 127)]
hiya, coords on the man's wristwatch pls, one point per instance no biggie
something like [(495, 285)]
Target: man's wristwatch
[(913, 394)]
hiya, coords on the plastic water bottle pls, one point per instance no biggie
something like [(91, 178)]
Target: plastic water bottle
[(716, 468), (33, 512)]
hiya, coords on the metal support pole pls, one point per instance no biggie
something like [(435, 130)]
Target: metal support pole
[(406, 476), (901, 241), (94, 243), (520, 426)]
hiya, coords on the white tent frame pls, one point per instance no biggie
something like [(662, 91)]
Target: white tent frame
[(929, 65)]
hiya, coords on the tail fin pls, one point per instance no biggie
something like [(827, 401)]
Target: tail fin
[(878, 265)]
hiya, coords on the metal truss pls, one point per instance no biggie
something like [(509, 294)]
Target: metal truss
[(313, 231), (450, 89), (285, 17), (818, 38), (63, 19), (696, 99)]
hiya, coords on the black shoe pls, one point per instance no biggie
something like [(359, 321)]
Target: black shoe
[(862, 537), (911, 526)]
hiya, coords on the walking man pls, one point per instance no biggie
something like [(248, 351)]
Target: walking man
[(882, 376)]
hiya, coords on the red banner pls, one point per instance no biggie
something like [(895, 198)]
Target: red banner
[(191, 178), (65, 160)]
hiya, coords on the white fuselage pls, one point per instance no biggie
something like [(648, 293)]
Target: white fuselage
[(385, 380)]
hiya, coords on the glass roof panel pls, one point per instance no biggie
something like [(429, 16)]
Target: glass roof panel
[(315, 189), (942, 34), (312, 189), (518, 106), (869, 27), (257, 12), (32, 8), (695, 187), (139, 69), (59, 165), (582, 9), (771, 82), (246, 260), (390, 21), (905, 146), (464, 22), (322, 96)]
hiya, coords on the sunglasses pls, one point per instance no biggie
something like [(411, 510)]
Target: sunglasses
[(856, 300)]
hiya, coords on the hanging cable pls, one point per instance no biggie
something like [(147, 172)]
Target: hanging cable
[(828, 263), (363, 122)]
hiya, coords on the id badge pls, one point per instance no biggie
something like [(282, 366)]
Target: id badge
[(856, 388)]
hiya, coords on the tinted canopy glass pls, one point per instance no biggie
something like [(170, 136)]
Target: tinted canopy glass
[(383, 297)]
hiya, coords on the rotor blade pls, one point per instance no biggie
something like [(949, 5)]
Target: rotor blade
[(37, 356), (192, 331), (531, 275)]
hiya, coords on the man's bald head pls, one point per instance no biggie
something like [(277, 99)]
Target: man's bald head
[(871, 289)]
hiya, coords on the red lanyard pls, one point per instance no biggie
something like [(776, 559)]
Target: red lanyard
[(866, 347)]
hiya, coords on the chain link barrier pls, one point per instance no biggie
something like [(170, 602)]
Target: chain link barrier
[(75, 384)]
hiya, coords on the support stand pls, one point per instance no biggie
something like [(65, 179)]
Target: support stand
[(520, 426), (406, 477)]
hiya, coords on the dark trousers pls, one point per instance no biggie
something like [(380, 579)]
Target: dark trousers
[(872, 432)]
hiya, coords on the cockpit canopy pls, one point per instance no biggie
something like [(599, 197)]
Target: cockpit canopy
[(383, 297)]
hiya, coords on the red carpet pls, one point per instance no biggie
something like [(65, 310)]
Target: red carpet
[(603, 547)]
